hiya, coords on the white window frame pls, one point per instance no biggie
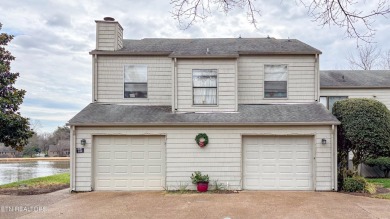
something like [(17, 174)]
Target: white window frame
[(275, 98), (124, 82), (192, 79), (327, 100)]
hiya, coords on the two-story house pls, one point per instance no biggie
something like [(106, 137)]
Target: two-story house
[(256, 99)]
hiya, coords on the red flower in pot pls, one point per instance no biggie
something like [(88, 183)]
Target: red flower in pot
[(201, 181)]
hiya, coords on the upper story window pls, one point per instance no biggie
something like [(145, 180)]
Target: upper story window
[(204, 82), (275, 81), (328, 102), (135, 81)]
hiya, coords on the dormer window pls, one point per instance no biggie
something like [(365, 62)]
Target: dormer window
[(135, 81), (204, 86), (275, 81)]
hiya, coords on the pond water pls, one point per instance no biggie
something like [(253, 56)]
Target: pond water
[(22, 170)]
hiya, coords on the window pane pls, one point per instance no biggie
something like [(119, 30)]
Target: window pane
[(136, 73), (136, 90), (333, 100), (275, 89), (324, 101), (205, 96), (275, 72), (205, 86), (204, 77)]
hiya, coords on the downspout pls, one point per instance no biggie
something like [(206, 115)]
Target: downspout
[(175, 86), (94, 78), (316, 78), (236, 87), (73, 160), (335, 157)]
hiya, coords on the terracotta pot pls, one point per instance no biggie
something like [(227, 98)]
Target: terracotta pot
[(202, 186)]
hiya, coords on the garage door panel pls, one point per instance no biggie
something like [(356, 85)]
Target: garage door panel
[(120, 155), (155, 169), (103, 155), (268, 169), (138, 169), (155, 155), (120, 141), (137, 140), (120, 169), (120, 165), (278, 163), (138, 155)]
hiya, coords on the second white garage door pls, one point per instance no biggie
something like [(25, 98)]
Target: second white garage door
[(129, 163), (278, 163)]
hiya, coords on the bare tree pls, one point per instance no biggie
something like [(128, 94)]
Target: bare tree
[(385, 60), (367, 58), (357, 21)]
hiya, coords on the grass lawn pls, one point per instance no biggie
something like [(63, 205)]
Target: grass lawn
[(385, 182), (383, 196), (38, 185)]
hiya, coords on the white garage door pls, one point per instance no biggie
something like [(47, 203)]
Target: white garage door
[(278, 163), (129, 163)]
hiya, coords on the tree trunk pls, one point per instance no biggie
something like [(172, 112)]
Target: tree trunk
[(386, 173)]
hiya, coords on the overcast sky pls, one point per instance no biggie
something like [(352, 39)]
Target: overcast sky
[(53, 38)]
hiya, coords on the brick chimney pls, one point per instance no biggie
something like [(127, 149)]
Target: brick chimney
[(109, 34)]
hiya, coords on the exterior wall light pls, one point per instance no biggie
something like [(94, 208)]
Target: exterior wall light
[(83, 142), (323, 141)]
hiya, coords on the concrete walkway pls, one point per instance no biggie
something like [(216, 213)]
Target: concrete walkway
[(16, 206), (242, 205)]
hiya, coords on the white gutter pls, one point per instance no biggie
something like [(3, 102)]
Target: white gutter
[(206, 124)]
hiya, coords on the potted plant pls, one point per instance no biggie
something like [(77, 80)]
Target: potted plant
[(201, 181)]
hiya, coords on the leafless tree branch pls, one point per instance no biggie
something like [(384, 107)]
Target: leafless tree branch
[(367, 58), (187, 12), (358, 23), (385, 60)]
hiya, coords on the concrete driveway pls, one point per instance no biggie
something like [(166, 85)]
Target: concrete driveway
[(237, 205)]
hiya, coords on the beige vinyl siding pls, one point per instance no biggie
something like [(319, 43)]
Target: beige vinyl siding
[(110, 79), (221, 158), (301, 84), (225, 87), (382, 95), (109, 36)]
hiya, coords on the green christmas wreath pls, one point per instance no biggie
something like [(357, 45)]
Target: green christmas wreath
[(200, 136)]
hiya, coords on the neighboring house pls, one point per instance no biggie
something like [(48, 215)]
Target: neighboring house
[(255, 98), (8, 152), (61, 149), (342, 84)]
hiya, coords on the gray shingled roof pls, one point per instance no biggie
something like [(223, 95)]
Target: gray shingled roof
[(355, 79), (114, 114), (217, 47)]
